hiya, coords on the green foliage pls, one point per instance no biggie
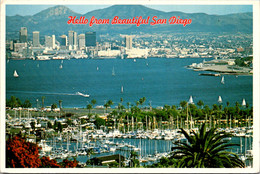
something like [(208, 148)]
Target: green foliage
[(54, 106), (206, 149), (99, 122), (49, 125)]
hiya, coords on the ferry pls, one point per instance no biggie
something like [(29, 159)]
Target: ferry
[(84, 95)]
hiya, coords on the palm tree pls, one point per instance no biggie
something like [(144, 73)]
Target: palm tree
[(93, 102), (206, 149), (134, 160), (128, 105), (43, 97), (89, 107), (60, 105), (200, 103)]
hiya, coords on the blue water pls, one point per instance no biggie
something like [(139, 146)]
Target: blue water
[(160, 80)]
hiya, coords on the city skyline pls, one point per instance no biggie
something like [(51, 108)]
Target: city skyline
[(12, 10)]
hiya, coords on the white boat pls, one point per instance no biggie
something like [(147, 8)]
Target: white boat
[(84, 95), (134, 60), (222, 80), (122, 89), (97, 68), (15, 74), (191, 100), (113, 72), (61, 66), (244, 102), (219, 99), (43, 58)]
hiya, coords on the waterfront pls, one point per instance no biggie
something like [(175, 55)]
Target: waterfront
[(160, 80)]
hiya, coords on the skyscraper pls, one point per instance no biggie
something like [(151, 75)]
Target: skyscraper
[(81, 41), (90, 39), (50, 41), (128, 42), (75, 40), (36, 38), (23, 35), (70, 39)]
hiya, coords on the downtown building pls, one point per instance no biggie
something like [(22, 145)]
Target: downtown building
[(36, 39), (90, 39), (72, 40), (23, 35), (50, 42), (128, 42)]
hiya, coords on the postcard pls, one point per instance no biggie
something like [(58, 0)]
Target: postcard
[(136, 87)]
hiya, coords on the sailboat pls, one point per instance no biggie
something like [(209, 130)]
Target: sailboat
[(15, 74), (222, 80), (113, 72), (191, 100), (122, 89), (61, 66), (219, 99), (244, 102)]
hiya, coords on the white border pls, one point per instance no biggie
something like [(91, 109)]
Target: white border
[(256, 86)]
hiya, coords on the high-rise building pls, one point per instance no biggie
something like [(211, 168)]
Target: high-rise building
[(70, 38), (36, 38), (75, 39), (128, 42), (23, 35), (64, 41), (90, 39), (81, 41), (50, 41)]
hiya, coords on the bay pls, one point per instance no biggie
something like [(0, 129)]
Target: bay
[(161, 80)]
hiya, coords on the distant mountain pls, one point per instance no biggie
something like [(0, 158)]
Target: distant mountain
[(54, 21)]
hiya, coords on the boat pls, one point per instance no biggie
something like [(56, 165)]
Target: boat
[(81, 94), (97, 68), (222, 80), (113, 72), (244, 102), (38, 65), (134, 60), (15, 74), (61, 66), (191, 100), (219, 99), (122, 89), (43, 58)]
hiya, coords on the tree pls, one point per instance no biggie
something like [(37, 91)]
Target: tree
[(205, 149), (60, 127), (93, 102), (32, 125), (60, 106), (200, 103), (134, 161), (53, 106), (43, 97), (21, 154), (69, 164), (46, 162), (183, 104), (89, 107), (49, 125), (27, 104), (99, 122)]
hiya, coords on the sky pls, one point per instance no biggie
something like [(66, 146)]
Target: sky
[(23, 10)]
